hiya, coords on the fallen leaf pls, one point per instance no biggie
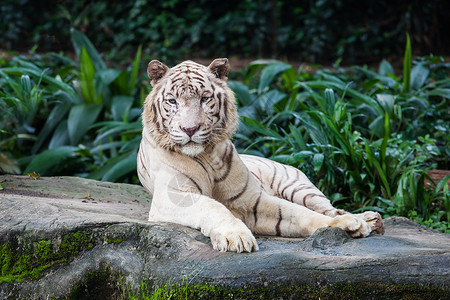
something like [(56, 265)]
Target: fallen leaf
[(34, 175)]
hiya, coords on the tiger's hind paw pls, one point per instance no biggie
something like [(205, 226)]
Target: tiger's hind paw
[(374, 220), (353, 225)]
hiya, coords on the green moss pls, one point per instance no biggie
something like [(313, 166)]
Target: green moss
[(291, 291), (114, 240), (20, 259)]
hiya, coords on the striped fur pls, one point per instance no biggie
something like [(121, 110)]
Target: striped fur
[(188, 163)]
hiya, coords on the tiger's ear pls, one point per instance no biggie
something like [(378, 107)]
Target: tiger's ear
[(220, 68), (156, 71)]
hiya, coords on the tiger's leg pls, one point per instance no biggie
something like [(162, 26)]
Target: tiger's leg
[(292, 185), (271, 215), (175, 202)]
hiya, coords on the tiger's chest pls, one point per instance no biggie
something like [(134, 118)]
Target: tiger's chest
[(227, 174)]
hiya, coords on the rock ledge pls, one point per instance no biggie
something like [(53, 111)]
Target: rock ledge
[(60, 233)]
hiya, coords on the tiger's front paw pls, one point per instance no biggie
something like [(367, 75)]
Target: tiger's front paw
[(235, 238), (354, 226), (374, 220)]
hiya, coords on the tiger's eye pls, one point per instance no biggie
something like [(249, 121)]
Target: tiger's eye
[(204, 99), (172, 101)]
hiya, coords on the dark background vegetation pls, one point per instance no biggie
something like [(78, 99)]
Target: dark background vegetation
[(314, 31)]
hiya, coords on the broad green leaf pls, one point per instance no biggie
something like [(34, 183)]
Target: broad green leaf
[(387, 102), (124, 166), (269, 99), (260, 128), (108, 75), (419, 75), (120, 107), (115, 127), (329, 101), (269, 73), (318, 161), (242, 92), (385, 68), (60, 136), (314, 129), (87, 83), (377, 126), (43, 161), (298, 137), (81, 116), (122, 83), (25, 87), (80, 41), (54, 118)]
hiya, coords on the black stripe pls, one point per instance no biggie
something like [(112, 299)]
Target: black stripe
[(160, 123), (306, 197), (285, 188), (255, 207), (273, 178), (257, 177), (277, 227), (285, 170), (201, 164), (142, 164), (220, 107), (176, 79), (228, 162), (225, 109), (279, 185), (188, 177), (194, 182), (241, 192), (199, 79), (299, 188)]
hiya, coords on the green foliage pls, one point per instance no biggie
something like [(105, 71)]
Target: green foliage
[(367, 144), (366, 138), (303, 30), (48, 115)]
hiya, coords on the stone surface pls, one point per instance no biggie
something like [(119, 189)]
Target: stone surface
[(113, 219)]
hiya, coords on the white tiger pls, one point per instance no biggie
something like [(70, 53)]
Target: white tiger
[(191, 168)]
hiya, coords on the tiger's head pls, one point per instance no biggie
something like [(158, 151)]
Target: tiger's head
[(190, 106)]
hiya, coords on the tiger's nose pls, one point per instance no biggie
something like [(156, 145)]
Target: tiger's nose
[(190, 131)]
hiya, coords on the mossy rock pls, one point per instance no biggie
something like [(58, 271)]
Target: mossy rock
[(71, 237)]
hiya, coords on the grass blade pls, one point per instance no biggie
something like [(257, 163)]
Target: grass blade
[(406, 86)]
